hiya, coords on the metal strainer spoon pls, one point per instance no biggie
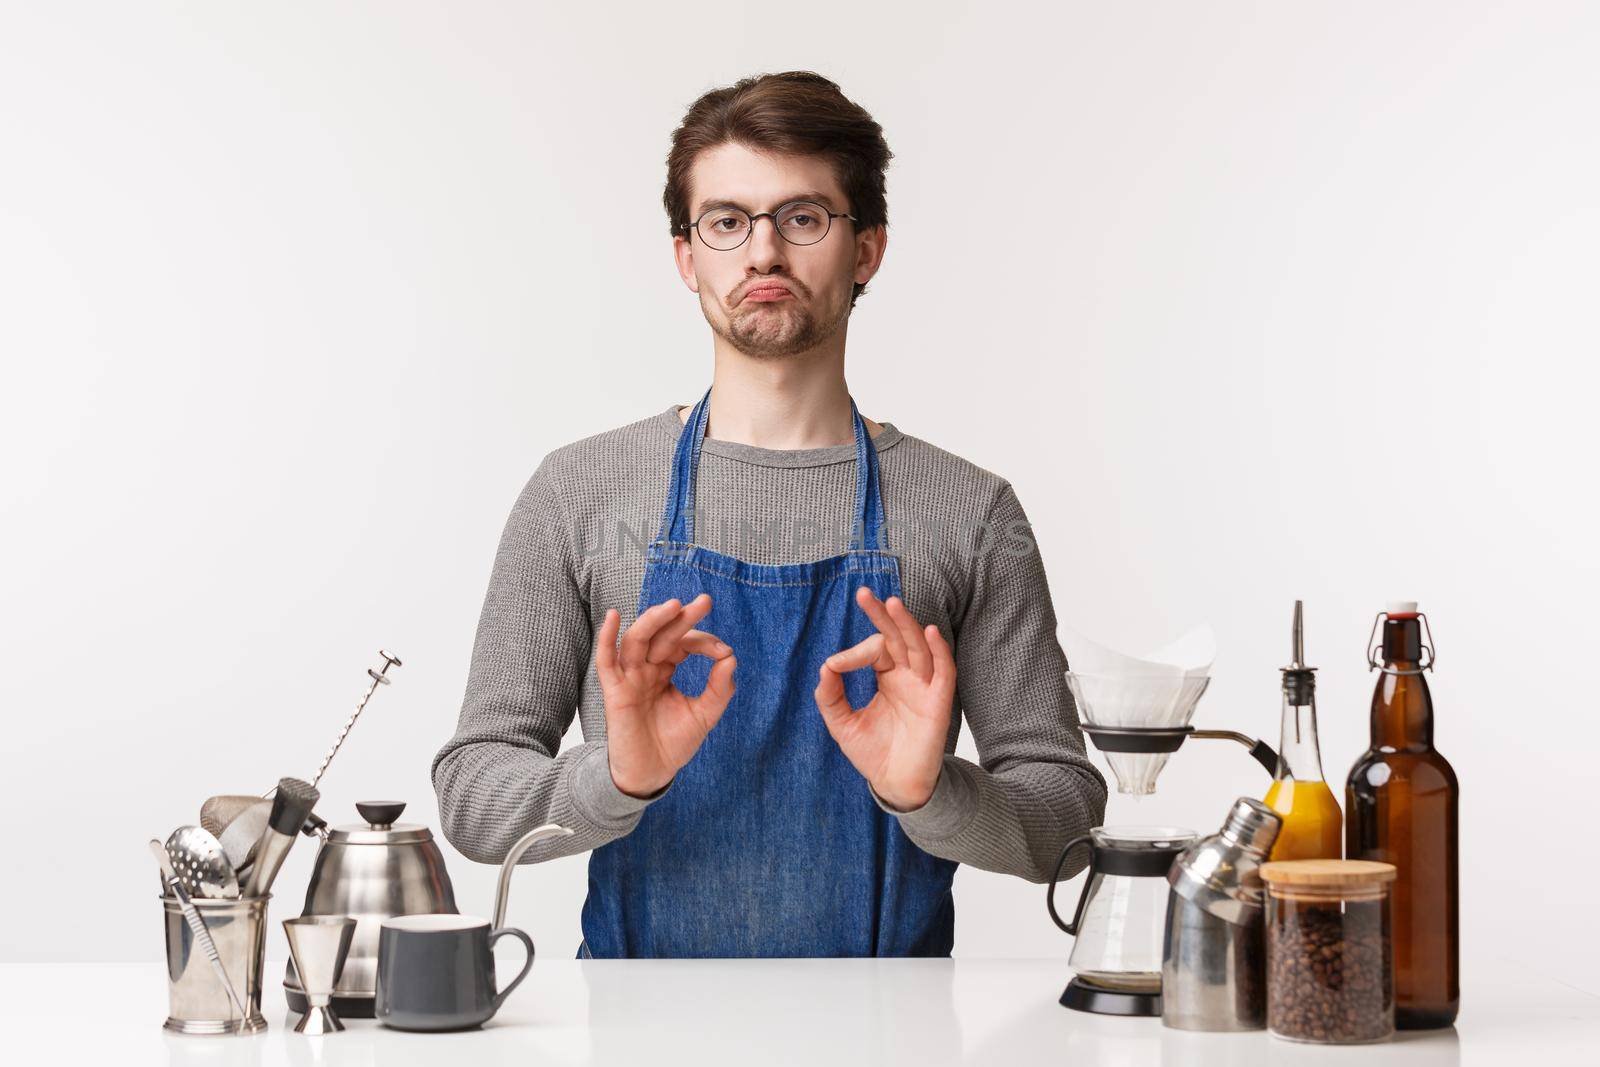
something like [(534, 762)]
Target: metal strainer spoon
[(217, 812), (241, 836), (200, 864)]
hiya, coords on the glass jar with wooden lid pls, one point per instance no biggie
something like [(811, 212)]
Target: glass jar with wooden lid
[(1330, 961)]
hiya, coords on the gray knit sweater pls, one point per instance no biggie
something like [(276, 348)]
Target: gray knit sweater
[(574, 547)]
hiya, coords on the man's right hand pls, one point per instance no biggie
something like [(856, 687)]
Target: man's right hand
[(652, 729)]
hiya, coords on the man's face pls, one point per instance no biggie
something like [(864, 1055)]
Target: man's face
[(820, 277)]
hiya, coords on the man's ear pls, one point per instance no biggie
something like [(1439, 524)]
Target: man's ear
[(683, 256), (871, 244)]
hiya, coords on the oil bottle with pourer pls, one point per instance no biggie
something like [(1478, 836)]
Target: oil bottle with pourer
[(1313, 827)]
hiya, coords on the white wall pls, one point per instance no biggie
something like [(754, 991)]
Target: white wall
[(1250, 302)]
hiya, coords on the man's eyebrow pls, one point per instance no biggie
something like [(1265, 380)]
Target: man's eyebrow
[(813, 195)]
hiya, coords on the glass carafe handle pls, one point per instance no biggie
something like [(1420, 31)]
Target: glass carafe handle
[(1083, 898)]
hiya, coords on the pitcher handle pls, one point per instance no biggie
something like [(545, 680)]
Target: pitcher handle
[(1083, 898), (527, 965)]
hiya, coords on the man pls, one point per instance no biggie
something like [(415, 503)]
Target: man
[(747, 785)]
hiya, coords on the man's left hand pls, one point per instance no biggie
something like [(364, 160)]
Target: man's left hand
[(897, 740)]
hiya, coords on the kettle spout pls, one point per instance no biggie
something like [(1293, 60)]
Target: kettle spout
[(525, 842)]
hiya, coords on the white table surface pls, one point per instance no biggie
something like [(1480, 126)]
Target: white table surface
[(827, 1012)]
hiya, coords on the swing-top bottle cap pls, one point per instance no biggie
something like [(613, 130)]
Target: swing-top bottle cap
[(1400, 609)]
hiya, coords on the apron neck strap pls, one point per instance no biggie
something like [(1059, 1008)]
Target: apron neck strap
[(677, 518)]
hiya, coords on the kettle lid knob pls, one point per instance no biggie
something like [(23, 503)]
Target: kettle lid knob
[(381, 814)]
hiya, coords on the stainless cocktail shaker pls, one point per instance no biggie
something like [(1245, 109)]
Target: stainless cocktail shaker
[(1213, 969)]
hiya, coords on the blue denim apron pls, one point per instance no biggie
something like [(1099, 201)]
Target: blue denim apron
[(769, 842)]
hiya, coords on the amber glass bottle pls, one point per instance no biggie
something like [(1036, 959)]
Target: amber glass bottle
[(1402, 803)]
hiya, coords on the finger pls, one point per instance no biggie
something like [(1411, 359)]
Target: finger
[(834, 705), (886, 626), (664, 645), (869, 652), (944, 660), (636, 642), (698, 642), (605, 649), (713, 699), (919, 658)]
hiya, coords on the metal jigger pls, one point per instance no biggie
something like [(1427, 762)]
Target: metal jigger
[(319, 945)]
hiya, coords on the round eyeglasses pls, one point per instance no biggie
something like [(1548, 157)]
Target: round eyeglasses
[(799, 223)]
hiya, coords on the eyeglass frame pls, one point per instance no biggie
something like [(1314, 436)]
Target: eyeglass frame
[(694, 227)]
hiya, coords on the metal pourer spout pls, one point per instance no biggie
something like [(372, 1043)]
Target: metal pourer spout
[(1299, 681), (1299, 636)]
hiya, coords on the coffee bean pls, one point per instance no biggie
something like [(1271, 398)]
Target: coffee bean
[(1330, 974)]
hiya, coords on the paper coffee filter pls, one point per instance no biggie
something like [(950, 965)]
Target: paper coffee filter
[(1193, 653), (1088, 657), (1160, 688)]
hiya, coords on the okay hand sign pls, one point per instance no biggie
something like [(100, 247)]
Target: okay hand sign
[(652, 729), (897, 740)]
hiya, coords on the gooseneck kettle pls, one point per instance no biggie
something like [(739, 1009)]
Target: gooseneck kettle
[(374, 870)]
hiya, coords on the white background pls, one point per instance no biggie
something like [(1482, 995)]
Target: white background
[(1250, 302)]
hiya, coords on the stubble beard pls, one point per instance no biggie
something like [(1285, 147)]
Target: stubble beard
[(769, 330)]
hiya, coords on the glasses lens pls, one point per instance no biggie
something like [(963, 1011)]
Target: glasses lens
[(724, 228), (803, 223)]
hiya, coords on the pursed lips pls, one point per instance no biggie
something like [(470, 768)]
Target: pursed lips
[(770, 287)]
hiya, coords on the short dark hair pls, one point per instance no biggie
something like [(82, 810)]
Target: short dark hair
[(797, 112)]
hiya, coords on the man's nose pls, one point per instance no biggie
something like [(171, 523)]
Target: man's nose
[(767, 249)]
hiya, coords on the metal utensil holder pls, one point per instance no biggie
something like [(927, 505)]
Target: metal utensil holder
[(198, 1003)]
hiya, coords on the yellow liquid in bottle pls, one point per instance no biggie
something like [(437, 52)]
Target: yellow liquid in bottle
[(1313, 826)]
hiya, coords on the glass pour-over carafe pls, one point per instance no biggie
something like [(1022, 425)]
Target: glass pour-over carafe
[(1120, 919)]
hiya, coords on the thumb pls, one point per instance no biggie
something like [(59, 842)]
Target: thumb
[(837, 714), (713, 699)]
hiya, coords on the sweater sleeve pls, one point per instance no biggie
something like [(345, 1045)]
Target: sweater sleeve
[(501, 775), (1033, 788)]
